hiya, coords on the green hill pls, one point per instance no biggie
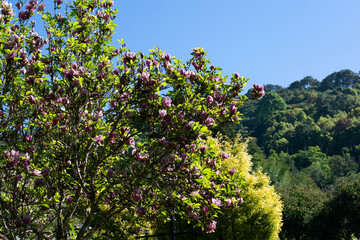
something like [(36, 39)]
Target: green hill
[(306, 137)]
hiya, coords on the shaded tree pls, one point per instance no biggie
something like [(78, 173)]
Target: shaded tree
[(339, 218), (343, 78), (305, 83)]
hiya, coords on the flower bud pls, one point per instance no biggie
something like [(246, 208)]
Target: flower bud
[(209, 100), (68, 199), (148, 62), (209, 121)]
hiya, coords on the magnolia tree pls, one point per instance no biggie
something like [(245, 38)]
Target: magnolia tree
[(90, 131)]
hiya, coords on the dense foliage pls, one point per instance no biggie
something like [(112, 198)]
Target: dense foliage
[(91, 132), (306, 138), (260, 214)]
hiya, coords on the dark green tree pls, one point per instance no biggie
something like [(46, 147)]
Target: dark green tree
[(343, 78), (305, 83), (340, 216)]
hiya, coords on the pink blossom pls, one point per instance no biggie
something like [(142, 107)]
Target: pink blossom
[(41, 7), (156, 63), (258, 91), (14, 153), (6, 154), (196, 66), (37, 172), (225, 155), (115, 71), (32, 99), (148, 62), (183, 156), (107, 16), (113, 103), (209, 100), (228, 202), (76, 81), (65, 101), (232, 171), (209, 121), (162, 113), (68, 199), (145, 75), (26, 164), (167, 57), (23, 15), (236, 75), (216, 201), (99, 139), (166, 102), (202, 149), (82, 70), (203, 114), (233, 108), (129, 56), (211, 228), (137, 197), (112, 195), (28, 138), (240, 201), (205, 209), (32, 148)]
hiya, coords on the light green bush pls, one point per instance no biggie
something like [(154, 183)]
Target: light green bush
[(260, 215)]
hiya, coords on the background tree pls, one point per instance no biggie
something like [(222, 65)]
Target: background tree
[(301, 204), (340, 217), (305, 83), (343, 78)]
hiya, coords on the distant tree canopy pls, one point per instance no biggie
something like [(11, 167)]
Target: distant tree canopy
[(305, 83), (270, 103), (306, 139), (343, 78)]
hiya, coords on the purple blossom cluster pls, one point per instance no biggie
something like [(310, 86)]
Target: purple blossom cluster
[(73, 113), (258, 91)]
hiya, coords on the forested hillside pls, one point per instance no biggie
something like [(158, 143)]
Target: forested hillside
[(306, 137)]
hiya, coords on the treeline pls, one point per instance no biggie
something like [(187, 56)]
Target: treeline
[(306, 137)]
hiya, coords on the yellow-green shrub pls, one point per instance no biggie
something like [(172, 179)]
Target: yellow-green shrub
[(260, 215)]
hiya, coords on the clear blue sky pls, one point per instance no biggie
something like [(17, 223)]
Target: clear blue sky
[(270, 42)]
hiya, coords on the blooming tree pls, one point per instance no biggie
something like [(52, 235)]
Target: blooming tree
[(89, 131)]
